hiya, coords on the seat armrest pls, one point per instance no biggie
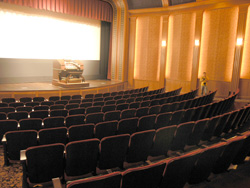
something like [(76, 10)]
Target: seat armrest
[(22, 155), (56, 183), (4, 139)]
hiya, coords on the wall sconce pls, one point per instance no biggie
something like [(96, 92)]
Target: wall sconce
[(239, 41), (197, 43), (163, 43)]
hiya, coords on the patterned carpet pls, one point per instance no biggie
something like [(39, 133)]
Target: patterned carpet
[(10, 176)]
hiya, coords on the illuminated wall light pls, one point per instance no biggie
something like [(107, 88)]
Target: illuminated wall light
[(239, 41), (163, 43), (197, 43)]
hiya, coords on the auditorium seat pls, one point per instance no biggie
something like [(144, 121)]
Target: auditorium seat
[(154, 102), (165, 108), (113, 151), (178, 170), (130, 100), (206, 109), (197, 133), (76, 96), (112, 180), (98, 95), (110, 102), (7, 125), (17, 141), (120, 93), (42, 107), (143, 177), (127, 126), (48, 103), (4, 104), (112, 115), (93, 109), (53, 122), (57, 107), (134, 105), (53, 135), (146, 123), (7, 109), (209, 131), (71, 106), (117, 97), (140, 144), (25, 99), (144, 104), (128, 113), (54, 113), (108, 98), (94, 118), (177, 117), (54, 98), (138, 99), (64, 102), (122, 106), (81, 132), (120, 101), (197, 113), (225, 159), (107, 108), (76, 111), (74, 120), (3, 116), (17, 115), (106, 95), (101, 103), (163, 120), (243, 151), (65, 97), (221, 124), (85, 104), (182, 135), (188, 114), (89, 96), (205, 163), (87, 100), (38, 99), (154, 109), (104, 129), (81, 157), (98, 99), (143, 111), (8, 100), (39, 114), (43, 163), (16, 104), (238, 119), (31, 124), (32, 104), (162, 140), (75, 101)]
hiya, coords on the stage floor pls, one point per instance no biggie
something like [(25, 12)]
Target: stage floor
[(48, 86)]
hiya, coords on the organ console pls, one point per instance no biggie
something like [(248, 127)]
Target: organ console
[(68, 71)]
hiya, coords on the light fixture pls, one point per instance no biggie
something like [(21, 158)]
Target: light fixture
[(163, 43), (197, 42), (239, 41)]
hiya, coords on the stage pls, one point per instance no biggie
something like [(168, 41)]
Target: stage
[(47, 89)]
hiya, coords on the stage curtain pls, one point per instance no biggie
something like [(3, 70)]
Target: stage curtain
[(93, 9)]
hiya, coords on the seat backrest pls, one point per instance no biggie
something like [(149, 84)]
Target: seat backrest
[(182, 134), (38, 99), (54, 98), (8, 100), (134, 105), (113, 151), (122, 106), (76, 97), (143, 177), (7, 109), (75, 101), (57, 107), (93, 109), (66, 97), (177, 117), (140, 144), (24, 108), (107, 108), (42, 107), (162, 140), (45, 162), (163, 120), (7, 125), (143, 111), (71, 106), (230, 121), (221, 124), (31, 124), (112, 180), (49, 103), (52, 122), (76, 111), (62, 112), (154, 109), (104, 129), (86, 104), (32, 104), (94, 118), (128, 113), (81, 157), (39, 114), (127, 126), (209, 131), (17, 115), (178, 170), (16, 104), (205, 163), (25, 99), (4, 104), (64, 102), (74, 120), (19, 140), (146, 123), (112, 115), (53, 135), (3, 116), (81, 132)]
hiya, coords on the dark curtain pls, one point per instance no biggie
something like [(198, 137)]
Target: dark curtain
[(105, 47), (93, 9)]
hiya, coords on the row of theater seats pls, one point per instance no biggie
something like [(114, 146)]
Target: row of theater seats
[(175, 171), (76, 97), (170, 136)]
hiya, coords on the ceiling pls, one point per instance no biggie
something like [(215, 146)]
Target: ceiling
[(141, 4)]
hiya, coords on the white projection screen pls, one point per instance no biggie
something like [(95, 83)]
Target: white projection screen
[(29, 36)]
